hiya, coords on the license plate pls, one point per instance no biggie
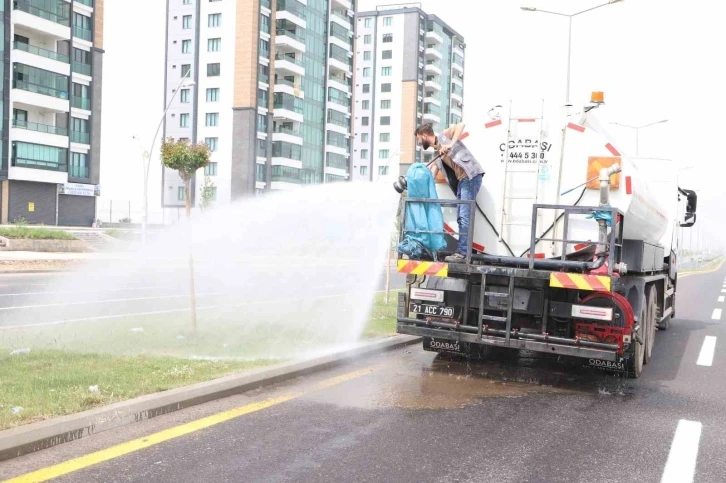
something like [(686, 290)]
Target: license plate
[(432, 310)]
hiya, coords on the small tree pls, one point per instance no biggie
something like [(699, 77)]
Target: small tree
[(207, 193), (186, 159)]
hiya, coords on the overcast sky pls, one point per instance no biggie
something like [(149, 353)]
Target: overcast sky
[(654, 59)]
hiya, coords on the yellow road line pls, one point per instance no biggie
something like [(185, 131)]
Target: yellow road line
[(122, 449)]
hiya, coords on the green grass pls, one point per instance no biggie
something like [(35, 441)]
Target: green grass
[(64, 360), (382, 321), (35, 233), (54, 383)]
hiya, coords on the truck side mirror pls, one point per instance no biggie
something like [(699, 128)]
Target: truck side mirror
[(692, 202)]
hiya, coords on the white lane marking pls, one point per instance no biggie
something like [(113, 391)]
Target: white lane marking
[(173, 311), (716, 314), (83, 291), (721, 298), (681, 464), (705, 358), (63, 304)]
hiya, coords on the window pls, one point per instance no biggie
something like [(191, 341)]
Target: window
[(367, 39), (214, 20), (81, 26), (385, 87), (184, 120), (366, 88), (383, 154), (365, 105), (21, 117), (180, 194), (186, 46), (365, 121), (184, 95), (387, 38), (363, 170), (364, 137), (187, 2), (385, 120), (387, 54), (386, 104), (212, 143), (187, 22), (213, 94), (212, 119), (387, 21), (385, 137), (363, 154), (210, 169), (213, 70), (383, 170), (264, 48), (386, 71), (265, 23), (367, 55), (79, 165), (185, 70), (366, 71), (214, 45), (368, 22), (37, 155)]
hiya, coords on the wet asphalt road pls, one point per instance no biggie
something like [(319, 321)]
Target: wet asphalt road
[(415, 416)]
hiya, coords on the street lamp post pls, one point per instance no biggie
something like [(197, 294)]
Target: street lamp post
[(569, 38), (146, 155), (567, 91), (637, 131)]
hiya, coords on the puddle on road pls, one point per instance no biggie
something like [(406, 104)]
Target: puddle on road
[(423, 380)]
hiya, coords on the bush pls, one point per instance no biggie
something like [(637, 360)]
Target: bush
[(35, 233)]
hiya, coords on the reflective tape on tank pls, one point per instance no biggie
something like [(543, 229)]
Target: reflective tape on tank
[(576, 281), (413, 267)]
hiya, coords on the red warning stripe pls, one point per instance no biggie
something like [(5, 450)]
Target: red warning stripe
[(576, 127), (628, 185), (492, 123), (527, 119), (448, 229), (596, 285), (409, 266), (581, 246), (435, 268), (537, 255), (612, 149), (451, 231), (478, 247)]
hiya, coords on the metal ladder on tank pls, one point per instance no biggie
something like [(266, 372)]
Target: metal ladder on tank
[(504, 221)]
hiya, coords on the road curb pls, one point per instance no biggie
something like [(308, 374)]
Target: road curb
[(46, 434)]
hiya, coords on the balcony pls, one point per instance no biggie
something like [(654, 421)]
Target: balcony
[(344, 4), (340, 83), (80, 137), (432, 52), (82, 33), (341, 18), (41, 128), (78, 172), (287, 157), (287, 134), (286, 63), (39, 156), (432, 100), (289, 41), (431, 116), (83, 69), (432, 68), (457, 97), (285, 107), (58, 13), (339, 64), (457, 68), (338, 122), (38, 95), (458, 51), (39, 51), (81, 103), (289, 87), (455, 79), (456, 110), (433, 84), (292, 11), (87, 3), (434, 37)]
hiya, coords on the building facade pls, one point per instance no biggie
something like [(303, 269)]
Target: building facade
[(409, 70), (51, 105), (271, 94)]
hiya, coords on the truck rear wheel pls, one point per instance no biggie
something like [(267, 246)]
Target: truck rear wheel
[(652, 320), (634, 366)]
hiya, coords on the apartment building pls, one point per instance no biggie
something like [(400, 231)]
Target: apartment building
[(51, 105), (267, 84), (409, 70)]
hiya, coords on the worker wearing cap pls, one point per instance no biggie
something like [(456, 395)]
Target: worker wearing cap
[(454, 154)]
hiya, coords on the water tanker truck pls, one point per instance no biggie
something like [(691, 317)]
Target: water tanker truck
[(573, 248)]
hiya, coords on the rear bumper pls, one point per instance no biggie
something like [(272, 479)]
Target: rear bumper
[(514, 343)]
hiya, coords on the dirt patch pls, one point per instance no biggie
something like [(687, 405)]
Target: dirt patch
[(37, 265)]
